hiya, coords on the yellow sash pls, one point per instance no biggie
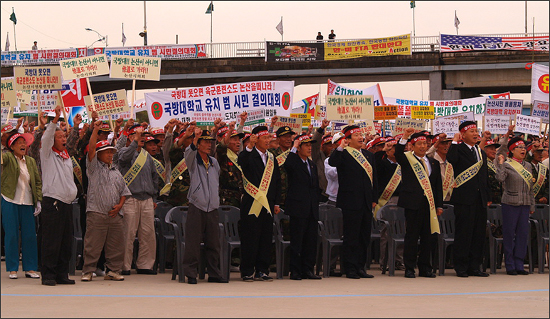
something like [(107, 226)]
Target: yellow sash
[(136, 167), (388, 191), (282, 157), (360, 158), (77, 170), (527, 177), (469, 172), (424, 181), (543, 170), (160, 169), (448, 181), (492, 166), (260, 194), (176, 173), (233, 158)]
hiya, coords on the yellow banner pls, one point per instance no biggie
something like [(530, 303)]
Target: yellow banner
[(543, 170), (136, 167), (260, 194), (389, 190), (77, 170), (448, 181), (422, 112), (176, 172), (396, 45), (160, 169), (306, 118)]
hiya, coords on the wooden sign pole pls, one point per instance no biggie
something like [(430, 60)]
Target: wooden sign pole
[(133, 98), (63, 107), (90, 93)]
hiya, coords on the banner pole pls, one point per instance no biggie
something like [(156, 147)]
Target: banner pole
[(38, 98), (133, 98), (90, 93), (63, 107)]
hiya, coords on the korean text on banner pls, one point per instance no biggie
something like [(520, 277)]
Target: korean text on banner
[(112, 102), (402, 124), (139, 68), (47, 77), (84, 67), (445, 125), (8, 92), (349, 107), (498, 107), (396, 45), (367, 127), (320, 112), (422, 112), (527, 124), (441, 108), (539, 83), (540, 109), (306, 118), (48, 101), (284, 52), (496, 124), (294, 123), (228, 101), (385, 112), (334, 88), (451, 42)]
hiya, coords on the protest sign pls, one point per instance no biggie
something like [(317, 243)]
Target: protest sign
[(107, 103), (8, 92), (527, 124), (140, 68), (334, 88), (425, 112), (337, 126), (320, 112), (293, 122), (396, 45), (47, 77), (84, 67), (443, 108), (496, 124), (306, 118), (367, 127), (385, 112), (228, 100), (284, 52), (445, 125), (539, 83), (496, 107), (349, 107), (401, 124), (540, 109)]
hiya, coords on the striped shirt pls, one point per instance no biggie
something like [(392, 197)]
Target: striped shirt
[(105, 186)]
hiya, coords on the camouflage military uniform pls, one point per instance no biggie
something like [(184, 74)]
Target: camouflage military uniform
[(231, 181), (496, 187), (180, 187)]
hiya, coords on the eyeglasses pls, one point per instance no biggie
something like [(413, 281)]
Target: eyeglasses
[(520, 147)]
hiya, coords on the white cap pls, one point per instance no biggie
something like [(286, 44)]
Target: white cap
[(338, 136)]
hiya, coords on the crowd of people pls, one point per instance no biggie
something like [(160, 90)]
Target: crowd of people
[(117, 177)]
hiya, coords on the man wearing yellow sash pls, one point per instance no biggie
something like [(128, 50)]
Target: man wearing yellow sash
[(389, 179), (357, 196), (518, 201), (421, 196), (138, 169), (540, 189), (470, 199), (262, 190), (438, 151), (284, 136), (496, 186)]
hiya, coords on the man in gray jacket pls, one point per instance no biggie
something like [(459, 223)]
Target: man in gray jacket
[(202, 217)]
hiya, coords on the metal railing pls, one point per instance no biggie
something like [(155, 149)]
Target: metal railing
[(257, 48)]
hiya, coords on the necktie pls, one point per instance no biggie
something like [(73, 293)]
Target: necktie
[(474, 152), (307, 167), (424, 165)]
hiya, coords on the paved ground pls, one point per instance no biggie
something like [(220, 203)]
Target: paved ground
[(139, 296)]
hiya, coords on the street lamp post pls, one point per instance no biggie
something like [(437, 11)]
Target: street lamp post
[(102, 38)]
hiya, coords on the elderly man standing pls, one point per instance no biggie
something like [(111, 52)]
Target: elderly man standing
[(138, 170), (59, 191)]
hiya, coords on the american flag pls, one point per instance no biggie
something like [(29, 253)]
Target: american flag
[(451, 42)]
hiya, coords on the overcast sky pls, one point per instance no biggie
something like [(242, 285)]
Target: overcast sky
[(61, 24)]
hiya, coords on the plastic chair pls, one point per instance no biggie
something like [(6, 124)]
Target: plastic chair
[(229, 218), (374, 243), (165, 238), (177, 217), (395, 222), (280, 244), (446, 236), (78, 241), (331, 227), (494, 216), (539, 220)]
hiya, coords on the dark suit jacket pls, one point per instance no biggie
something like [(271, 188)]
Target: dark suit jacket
[(412, 194), (354, 185), (253, 168), (461, 158), (385, 169), (302, 197)]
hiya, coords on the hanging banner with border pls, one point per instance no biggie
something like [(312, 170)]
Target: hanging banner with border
[(138, 68), (385, 112), (47, 77), (500, 107), (334, 88), (539, 83), (396, 45), (84, 67), (226, 101)]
